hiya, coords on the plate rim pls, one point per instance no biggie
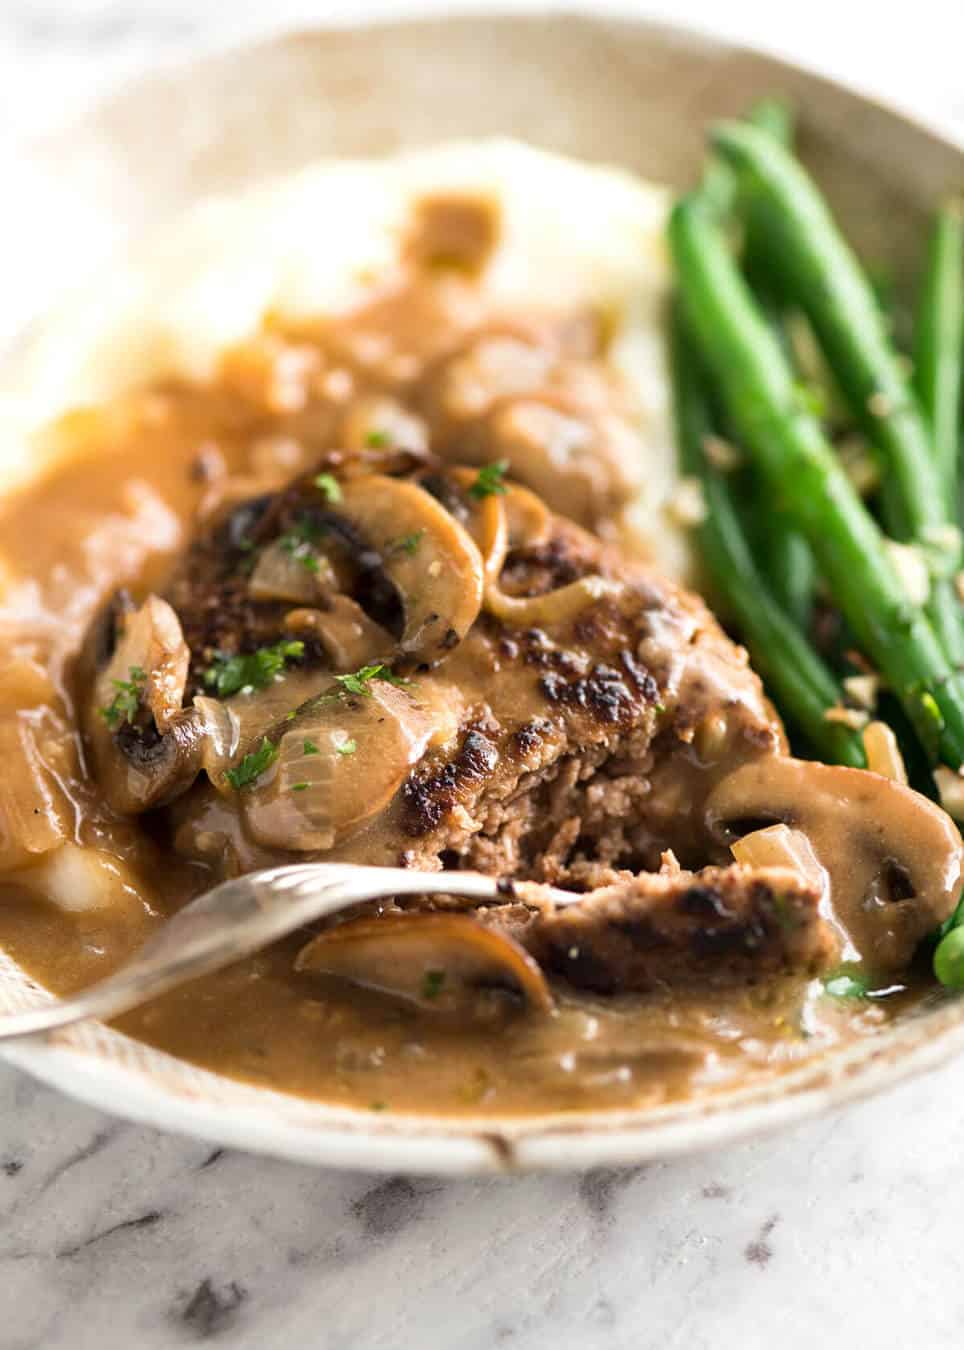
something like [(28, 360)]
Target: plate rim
[(351, 1138)]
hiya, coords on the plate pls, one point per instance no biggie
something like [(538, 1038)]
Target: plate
[(621, 91)]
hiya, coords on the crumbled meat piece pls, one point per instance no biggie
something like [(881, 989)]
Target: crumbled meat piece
[(719, 926)]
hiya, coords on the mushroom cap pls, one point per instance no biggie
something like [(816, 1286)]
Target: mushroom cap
[(425, 553), (894, 859), (436, 960), (154, 753)]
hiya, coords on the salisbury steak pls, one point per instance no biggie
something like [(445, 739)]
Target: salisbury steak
[(489, 687)]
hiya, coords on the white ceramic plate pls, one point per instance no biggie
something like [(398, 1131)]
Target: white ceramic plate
[(621, 91)]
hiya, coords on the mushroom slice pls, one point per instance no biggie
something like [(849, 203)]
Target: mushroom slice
[(339, 763), (146, 749), (425, 553), (893, 858), (152, 641), (349, 636), (439, 961), (279, 575)]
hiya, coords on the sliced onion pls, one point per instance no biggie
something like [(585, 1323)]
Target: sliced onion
[(280, 576), (221, 735), (438, 961), (33, 814), (779, 846), (498, 523), (339, 765), (520, 519), (527, 516), (486, 524), (883, 752), (557, 606)]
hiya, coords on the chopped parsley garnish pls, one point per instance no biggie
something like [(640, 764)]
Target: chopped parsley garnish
[(329, 485), (846, 984), (378, 1106), (359, 681), (489, 482), (254, 670), (253, 765), (347, 747), (433, 983), (300, 787), (125, 703), (407, 543), (376, 439), (310, 748), (299, 542)]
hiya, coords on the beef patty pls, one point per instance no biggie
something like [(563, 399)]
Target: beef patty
[(493, 688)]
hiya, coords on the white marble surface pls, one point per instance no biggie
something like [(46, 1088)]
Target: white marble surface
[(845, 1232)]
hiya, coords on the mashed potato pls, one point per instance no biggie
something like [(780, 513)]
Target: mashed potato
[(572, 235)]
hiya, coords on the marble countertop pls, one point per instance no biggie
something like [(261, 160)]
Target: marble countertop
[(842, 1232)]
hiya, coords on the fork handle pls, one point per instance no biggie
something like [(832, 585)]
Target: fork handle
[(236, 918)]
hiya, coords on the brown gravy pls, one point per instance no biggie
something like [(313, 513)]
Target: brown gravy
[(260, 1022), (128, 480)]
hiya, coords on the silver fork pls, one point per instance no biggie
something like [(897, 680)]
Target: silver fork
[(241, 915)]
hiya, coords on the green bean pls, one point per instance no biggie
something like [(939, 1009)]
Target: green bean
[(787, 562), (808, 483), (791, 226), (801, 684), (784, 556), (939, 343), (719, 186), (775, 117)]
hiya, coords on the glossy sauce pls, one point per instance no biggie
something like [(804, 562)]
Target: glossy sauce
[(118, 505), (260, 1022)]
